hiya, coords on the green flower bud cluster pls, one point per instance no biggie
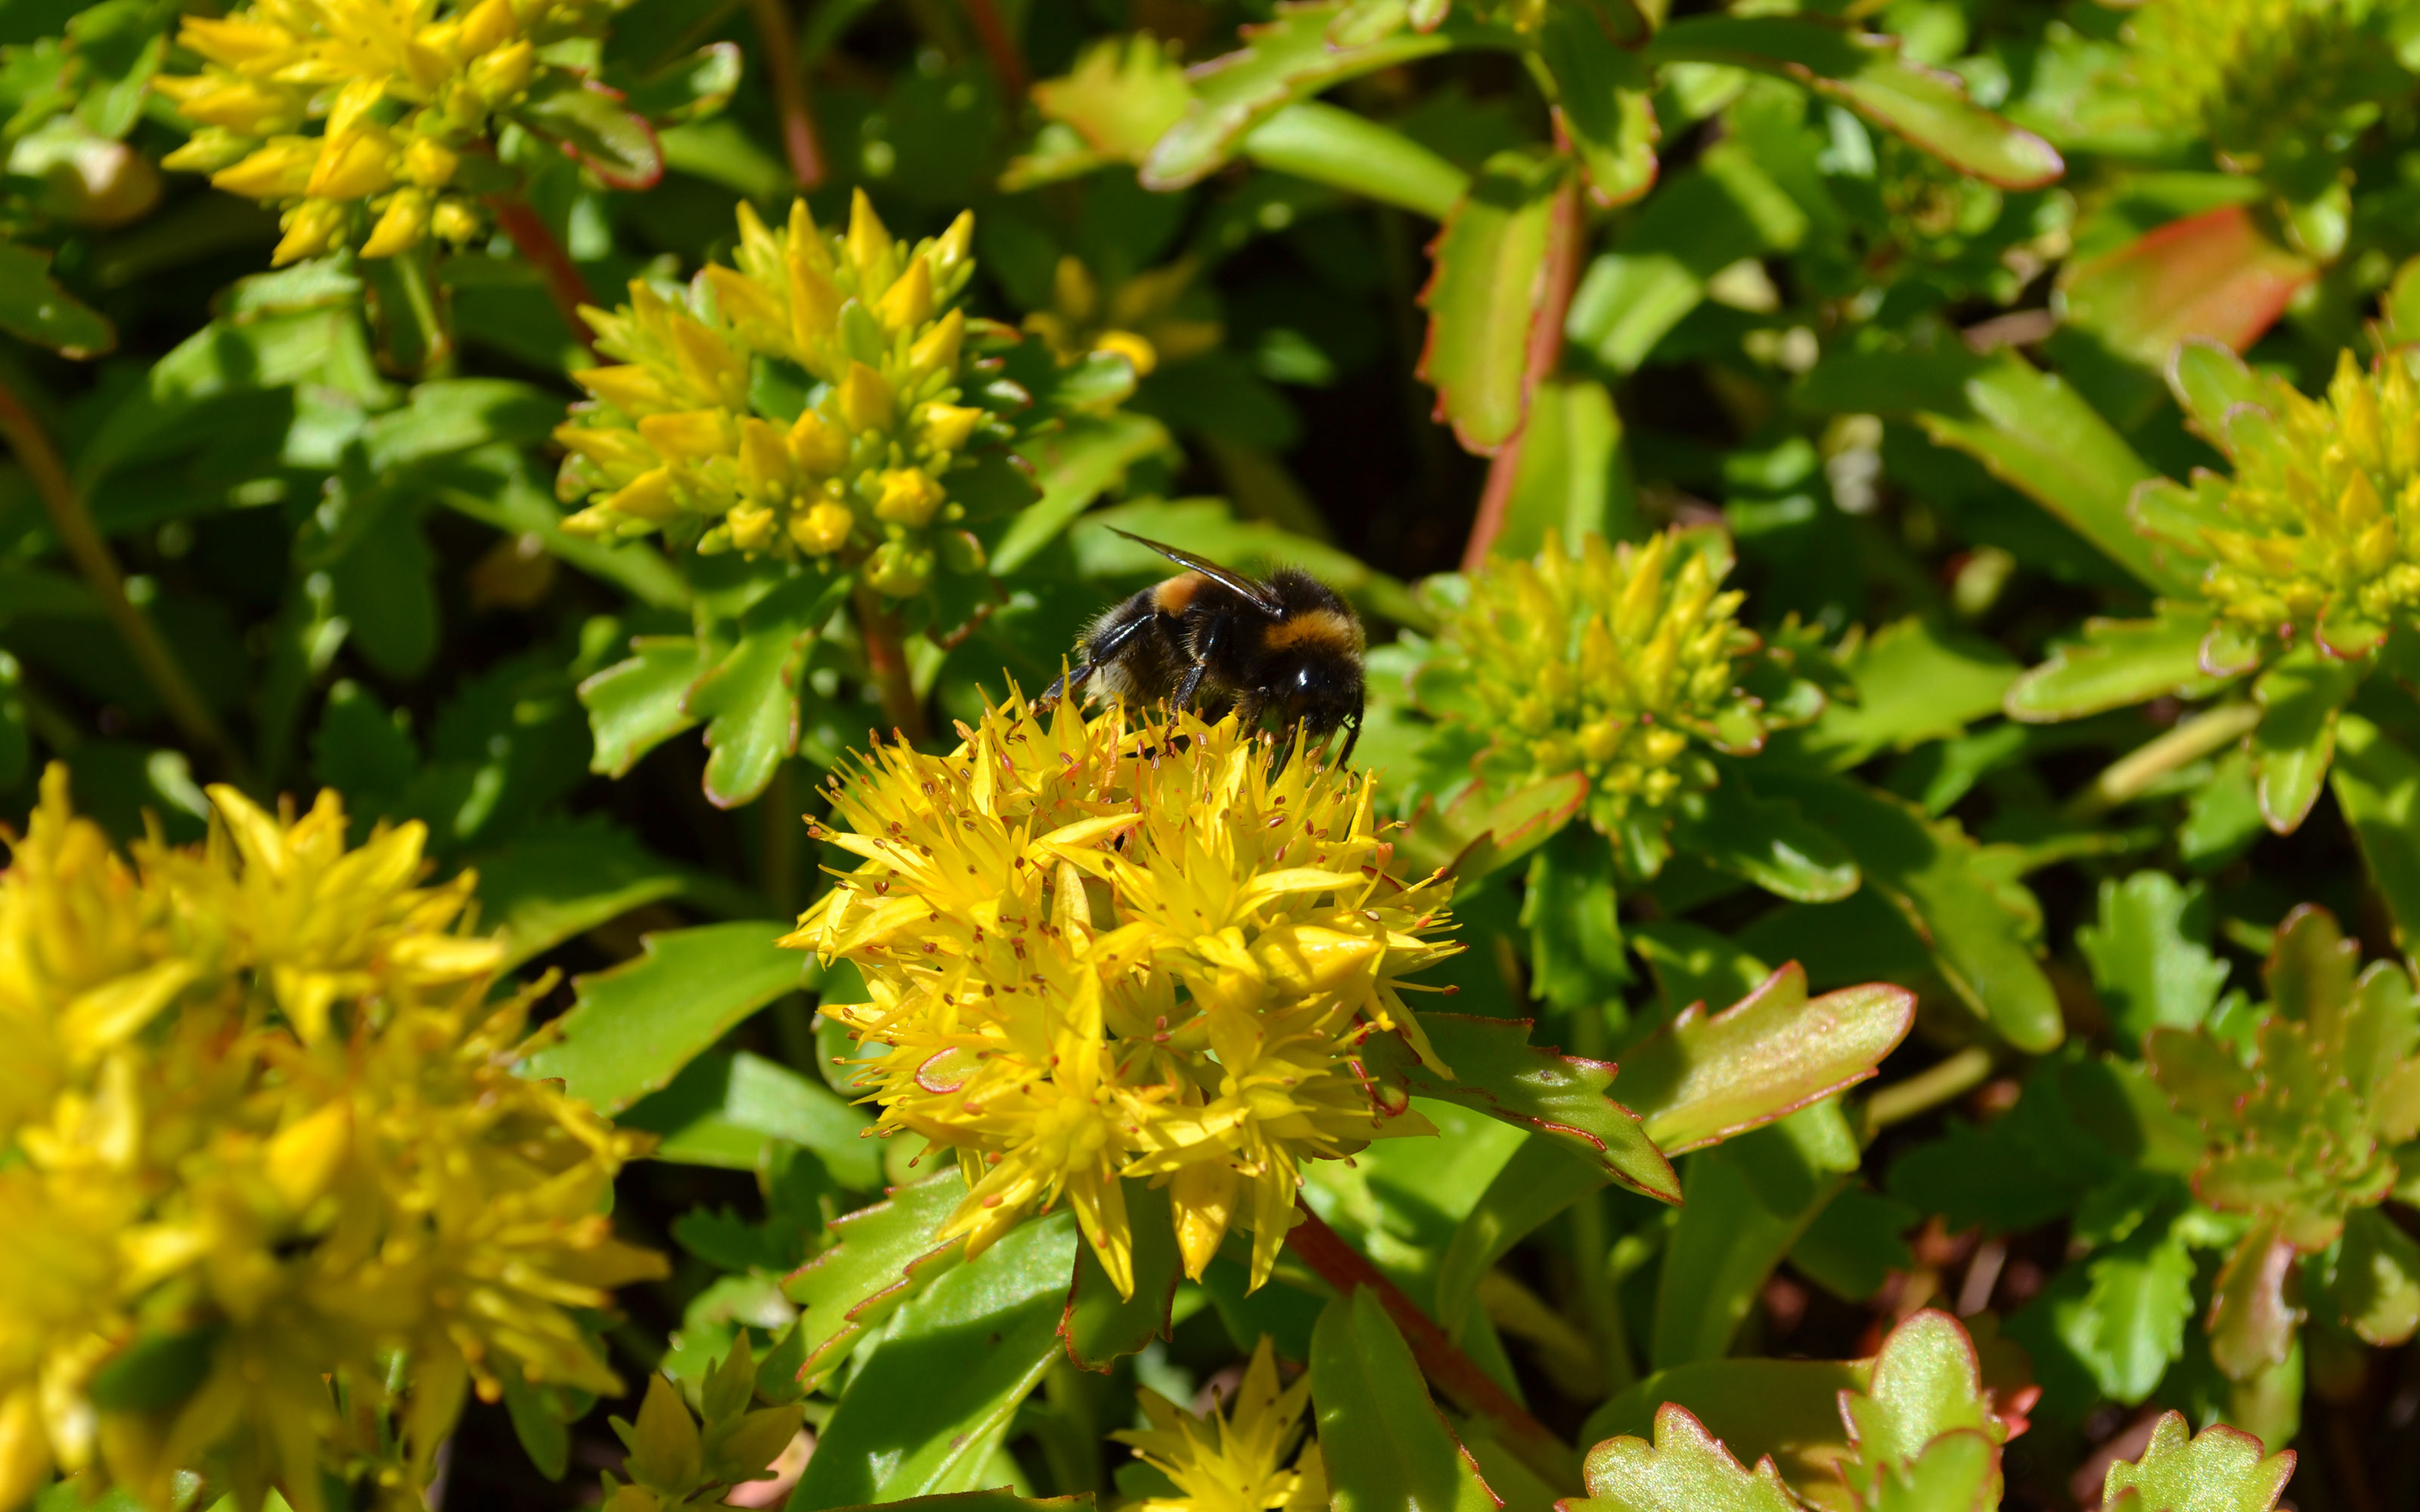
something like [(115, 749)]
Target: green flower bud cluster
[(800, 404), (1620, 662)]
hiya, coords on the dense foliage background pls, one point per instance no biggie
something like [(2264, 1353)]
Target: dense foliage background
[(1740, 429)]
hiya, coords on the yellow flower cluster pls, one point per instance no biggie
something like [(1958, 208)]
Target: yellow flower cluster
[(401, 95), (1137, 320), (674, 441), (1610, 662), (2265, 82), (1097, 952), (1234, 1461), (2319, 529), (261, 1132)]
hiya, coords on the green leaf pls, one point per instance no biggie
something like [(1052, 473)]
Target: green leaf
[(562, 878), (2211, 277), (2377, 783), (1568, 904), (925, 1415), (1926, 106), (1281, 61), (544, 1436), (636, 705), (1958, 1472), (1695, 965), (749, 700), (1928, 871), (687, 88), (1486, 292), (880, 1256), (2218, 1470), (35, 307), (1384, 1443), (2148, 954), (1928, 1382), (2300, 697), (1788, 1410), (1574, 478), (634, 1026), (2252, 1322), (2378, 1278), (1318, 142), (1098, 1325), (1481, 832), (2118, 663), (724, 1110), (2129, 1325), (1767, 841), (1700, 1079), (1498, 1072), (2033, 431), (1917, 679), (1699, 223), (1746, 1203), (1685, 1470), (1603, 102), (1077, 464), (16, 744), (613, 142)]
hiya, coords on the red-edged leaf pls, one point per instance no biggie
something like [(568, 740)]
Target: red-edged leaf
[(1485, 291), (1498, 1072), (593, 125), (2213, 275), (883, 1255)]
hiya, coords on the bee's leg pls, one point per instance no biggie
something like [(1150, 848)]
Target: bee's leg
[(1098, 651), (1203, 649)]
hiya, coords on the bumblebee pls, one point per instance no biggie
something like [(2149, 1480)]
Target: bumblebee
[(1288, 644)]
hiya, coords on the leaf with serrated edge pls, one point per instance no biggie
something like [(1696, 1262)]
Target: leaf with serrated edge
[(1928, 1382), (881, 1256), (1685, 1470), (2218, 1470), (1498, 1072), (1700, 1079)]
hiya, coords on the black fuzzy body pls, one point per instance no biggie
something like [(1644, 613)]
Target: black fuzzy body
[(1287, 645)]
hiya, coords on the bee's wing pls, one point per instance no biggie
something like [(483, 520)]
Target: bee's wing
[(1223, 576)]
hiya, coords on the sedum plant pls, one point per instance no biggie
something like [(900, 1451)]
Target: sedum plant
[(1876, 533)]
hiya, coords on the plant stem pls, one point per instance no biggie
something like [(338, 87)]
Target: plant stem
[(2128, 776), (1007, 62), (1471, 1389), (546, 252), (1928, 1089), (886, 659), (90, 551), (1555, 281), (789, 84)]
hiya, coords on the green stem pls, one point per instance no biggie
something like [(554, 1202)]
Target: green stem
[(89, 550), (2129, 777), (1928, 1089)]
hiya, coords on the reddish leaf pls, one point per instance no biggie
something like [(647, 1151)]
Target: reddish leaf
[(2213, 275)]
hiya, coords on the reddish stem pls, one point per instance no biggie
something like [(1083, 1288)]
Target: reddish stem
[(789, 91), (546, 252), (1455, 1373), (1556, 280), (90, 552), (886, 659), (1006, 60)]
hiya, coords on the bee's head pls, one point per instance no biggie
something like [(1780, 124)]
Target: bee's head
[(1321, 694)]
